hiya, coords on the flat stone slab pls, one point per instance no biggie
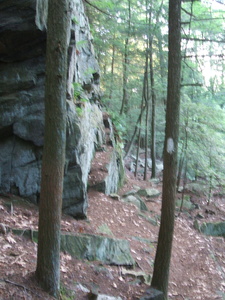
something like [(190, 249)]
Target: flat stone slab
[(152, 294), (149, 193), (137, 201), (91, 247), (106, 297), (213, 229)]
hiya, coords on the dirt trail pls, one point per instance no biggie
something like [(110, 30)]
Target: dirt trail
[(197, 266)]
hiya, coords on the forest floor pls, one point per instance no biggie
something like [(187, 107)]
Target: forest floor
[(197, 266)]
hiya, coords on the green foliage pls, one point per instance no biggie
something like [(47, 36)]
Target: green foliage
[(79, 111), (74, 20), (203, 84), (77, 89), (79, 92), (119, 123), (65, 293), (80, 44), (89, 71), (204, 129)]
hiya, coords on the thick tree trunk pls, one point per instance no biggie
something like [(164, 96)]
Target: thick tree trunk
[(48, 258), (163, 254)]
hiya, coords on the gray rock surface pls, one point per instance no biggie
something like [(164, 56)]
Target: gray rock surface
[(137, 201), (152, 294), (149, 193), (213, 229), (106, 297), (92, 247), (22, 79)]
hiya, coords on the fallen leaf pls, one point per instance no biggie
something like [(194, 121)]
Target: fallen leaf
[(6, 246), (10, 239)]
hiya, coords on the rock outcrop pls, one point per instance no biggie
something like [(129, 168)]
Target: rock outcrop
[(91, 247), (22, 79)]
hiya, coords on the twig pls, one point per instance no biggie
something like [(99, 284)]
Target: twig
[(99, 9), (18, 258), (20, 285)]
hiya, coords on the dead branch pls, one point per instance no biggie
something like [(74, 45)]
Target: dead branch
[(21, 286)]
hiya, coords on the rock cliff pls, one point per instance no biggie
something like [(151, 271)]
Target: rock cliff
[(22, 78)]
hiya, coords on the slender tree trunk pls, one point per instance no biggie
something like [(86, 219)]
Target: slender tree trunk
[(112, 68), (146, 142), (139, 131), (135, 132), (48, 257), (160, 46), (183, 154), (184, 186), (147, 99), (164, 248), (210, 178), (153, 139), (137, 152), (124, 106), (125, 78)]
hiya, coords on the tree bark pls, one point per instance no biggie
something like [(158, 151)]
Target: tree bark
[(48, 257), (153, 138), (124, 106), (135, 132), (147, 100), (164, 248), (112, 68)]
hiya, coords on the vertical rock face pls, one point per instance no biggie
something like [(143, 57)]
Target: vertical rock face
[(22, 78)]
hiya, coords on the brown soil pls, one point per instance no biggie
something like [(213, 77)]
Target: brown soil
[(197, 267)]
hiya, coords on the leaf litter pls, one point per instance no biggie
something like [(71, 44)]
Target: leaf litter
[(197, 265)]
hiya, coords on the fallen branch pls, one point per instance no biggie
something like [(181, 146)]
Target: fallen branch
[(21, 286)]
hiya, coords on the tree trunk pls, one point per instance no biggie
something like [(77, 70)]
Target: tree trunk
[(124, 106), (137, 152), (135, 132), (48, 257), (146, 96), (163, 254), (183, 154), (112, 68), (153, 156), (139, 131)]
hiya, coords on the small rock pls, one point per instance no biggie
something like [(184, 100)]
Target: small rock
[(210, 212), (115, 196), (144, 278), (27, 213), (129, 193), (2, 228), (106, 297), (152, 294), (149, 193), (199, 216), (82, 288), (133, 200)]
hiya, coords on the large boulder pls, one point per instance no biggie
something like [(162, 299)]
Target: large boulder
[(213, 229), (22, 79), (91, 247), (96, 247)]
